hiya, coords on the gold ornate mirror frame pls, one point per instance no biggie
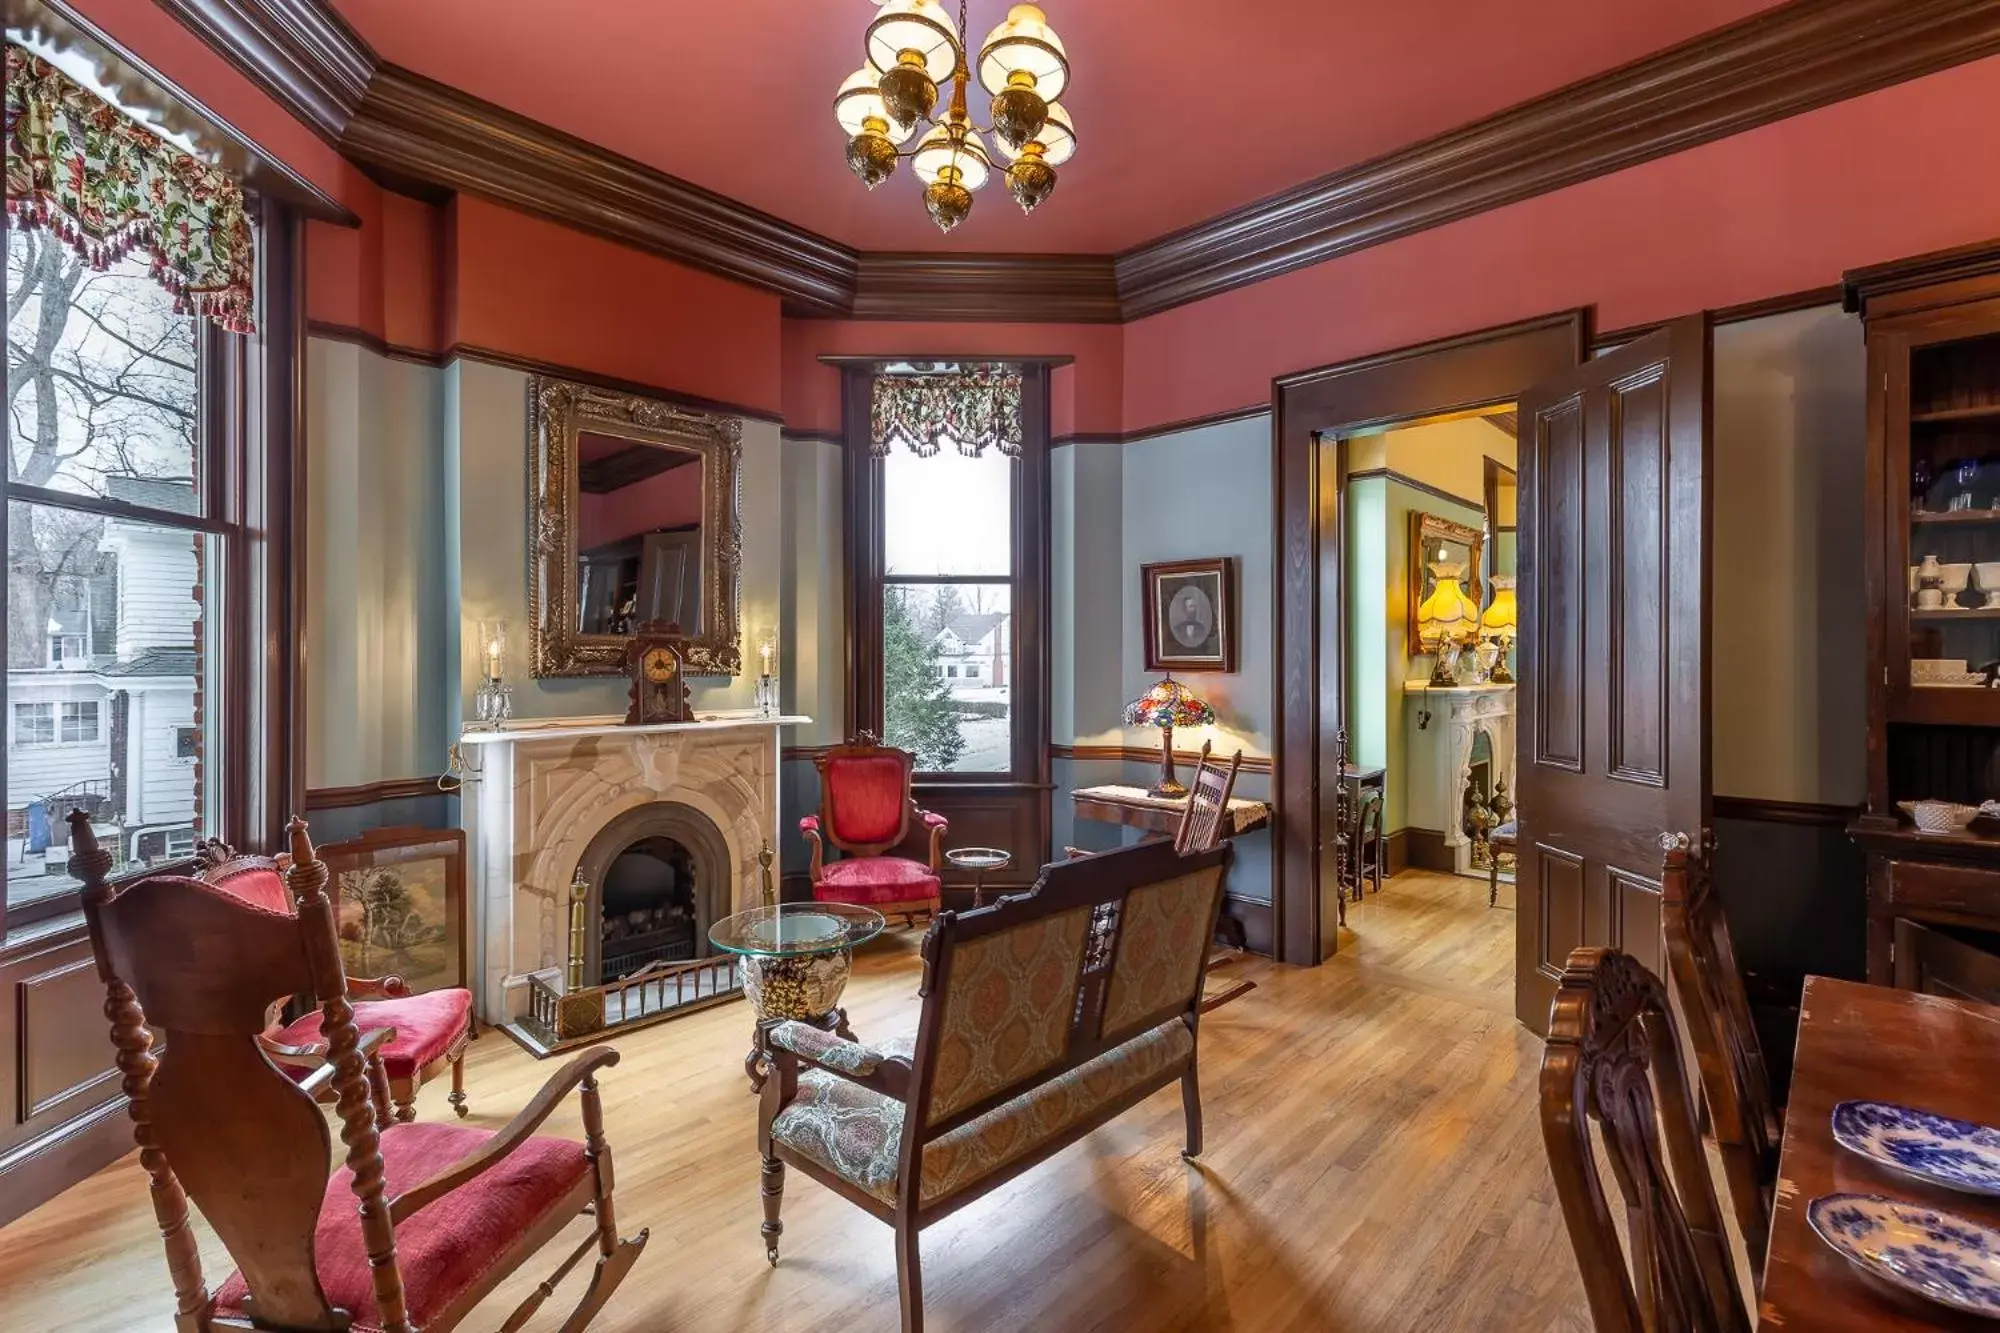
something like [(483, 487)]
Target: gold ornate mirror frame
[(1426, 529), (558, 412)]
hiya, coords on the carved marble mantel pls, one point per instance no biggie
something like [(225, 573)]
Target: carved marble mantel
[(1440, 755), (538, 793)]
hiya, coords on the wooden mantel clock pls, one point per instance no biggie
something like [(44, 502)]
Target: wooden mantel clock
[(657, 666)]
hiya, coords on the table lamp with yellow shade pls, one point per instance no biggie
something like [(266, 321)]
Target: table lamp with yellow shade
[(1446, 620), (1501, 623), (1167, 705)]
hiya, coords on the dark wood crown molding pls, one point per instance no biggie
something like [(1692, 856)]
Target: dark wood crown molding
[(1777, 63), (1943, 277), (1035, 289), (301, 52), (415, 127), (418, 134)]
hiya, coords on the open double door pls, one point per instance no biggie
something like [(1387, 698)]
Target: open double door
[(1613, 701)]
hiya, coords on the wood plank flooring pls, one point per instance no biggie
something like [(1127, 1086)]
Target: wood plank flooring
[(1373, 1163)]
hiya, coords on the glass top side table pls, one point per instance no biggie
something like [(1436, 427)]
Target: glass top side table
[(796, 961), (979, 860)]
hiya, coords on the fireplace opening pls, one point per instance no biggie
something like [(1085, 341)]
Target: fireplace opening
[(647, 910)]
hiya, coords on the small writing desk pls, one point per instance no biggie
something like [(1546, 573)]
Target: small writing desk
[(1132, 807)]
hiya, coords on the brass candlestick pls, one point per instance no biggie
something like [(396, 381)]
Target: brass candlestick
[(579, 900), (764, 858)]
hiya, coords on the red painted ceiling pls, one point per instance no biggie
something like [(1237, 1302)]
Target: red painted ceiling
[(1182, 109)]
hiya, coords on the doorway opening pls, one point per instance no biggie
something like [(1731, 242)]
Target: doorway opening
[(1428, 663)]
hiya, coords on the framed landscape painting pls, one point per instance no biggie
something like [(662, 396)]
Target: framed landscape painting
[(1190, 610), (399, 903)]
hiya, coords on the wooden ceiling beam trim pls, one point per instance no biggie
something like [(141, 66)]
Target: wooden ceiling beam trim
[(416, 127), (415, 133), (1778, 63), (302, 53)]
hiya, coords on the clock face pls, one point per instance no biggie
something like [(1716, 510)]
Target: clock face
[(1191, 616), (659, 665)]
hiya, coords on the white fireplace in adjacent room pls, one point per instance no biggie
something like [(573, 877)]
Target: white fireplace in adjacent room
[(1441, 753), (543, 800)]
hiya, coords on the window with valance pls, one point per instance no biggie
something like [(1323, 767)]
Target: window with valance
[(136, 547)]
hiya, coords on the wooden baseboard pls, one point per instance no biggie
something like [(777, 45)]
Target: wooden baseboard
[(1396, 853), (43, 1167), (1427, 850)]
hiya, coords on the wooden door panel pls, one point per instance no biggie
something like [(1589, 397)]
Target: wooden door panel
[(1638, 461), (1559, 504), (1613, 583), (1934, 963)]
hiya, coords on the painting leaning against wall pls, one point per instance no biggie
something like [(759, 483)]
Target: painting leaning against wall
[(400, 904)]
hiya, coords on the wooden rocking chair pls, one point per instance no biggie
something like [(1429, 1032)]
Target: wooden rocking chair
[(424, 1219)]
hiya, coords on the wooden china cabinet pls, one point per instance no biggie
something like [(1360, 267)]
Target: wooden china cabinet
[(1932, 524)]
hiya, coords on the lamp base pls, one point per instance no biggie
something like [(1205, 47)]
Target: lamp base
[(1501, 675), (1171, 791)]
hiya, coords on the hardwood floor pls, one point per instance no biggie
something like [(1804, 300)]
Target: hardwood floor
[(1373, 1163)]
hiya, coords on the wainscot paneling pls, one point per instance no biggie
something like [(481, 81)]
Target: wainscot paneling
[(60, 1091)]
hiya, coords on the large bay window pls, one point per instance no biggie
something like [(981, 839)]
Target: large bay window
[(146, 515)]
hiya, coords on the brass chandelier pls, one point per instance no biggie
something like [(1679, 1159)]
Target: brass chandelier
[(912, 48)]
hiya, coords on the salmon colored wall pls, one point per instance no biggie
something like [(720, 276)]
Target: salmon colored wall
[(1083, 398), (1780, 209), (543, 291), (664, 500), (344, 264)]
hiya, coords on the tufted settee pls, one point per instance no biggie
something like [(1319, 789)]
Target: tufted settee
[(1044, 1015)]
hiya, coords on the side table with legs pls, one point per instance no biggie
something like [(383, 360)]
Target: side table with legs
[(796, 961), (979, 860)]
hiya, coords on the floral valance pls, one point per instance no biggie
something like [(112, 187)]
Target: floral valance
[(970, 405), (108, 186)]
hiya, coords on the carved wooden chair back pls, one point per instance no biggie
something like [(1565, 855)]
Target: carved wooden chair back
[(214, 1119), (1204, 821), (865, 801), (1613, 1059), (1103, 948), (1734, 1081)]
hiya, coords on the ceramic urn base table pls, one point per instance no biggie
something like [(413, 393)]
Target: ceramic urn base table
[(796, 961)]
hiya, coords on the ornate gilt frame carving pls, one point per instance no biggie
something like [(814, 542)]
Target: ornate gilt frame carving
[(558, 410)]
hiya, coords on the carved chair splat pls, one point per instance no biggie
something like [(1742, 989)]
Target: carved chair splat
[(1613, 1059), (219, 1125), (1742, 1113), (1203, 821)]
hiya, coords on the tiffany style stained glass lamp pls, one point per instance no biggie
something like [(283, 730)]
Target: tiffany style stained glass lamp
[(1167, 705)]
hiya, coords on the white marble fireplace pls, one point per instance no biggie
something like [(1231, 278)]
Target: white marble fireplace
[(538, 793), (1440, 754)]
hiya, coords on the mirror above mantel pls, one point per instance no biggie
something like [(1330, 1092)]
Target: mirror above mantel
[(634, 517)]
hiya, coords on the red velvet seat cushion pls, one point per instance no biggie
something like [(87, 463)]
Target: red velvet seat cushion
[(865, 798), (448, 1246), (875, 879), (258, 885), (426, 1026)]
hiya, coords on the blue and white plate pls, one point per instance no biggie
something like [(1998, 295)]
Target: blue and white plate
[(1954, 1153), (1934, 1254)]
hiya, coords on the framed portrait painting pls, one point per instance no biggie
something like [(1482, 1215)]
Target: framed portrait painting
[(399, 905), (1190, 609)]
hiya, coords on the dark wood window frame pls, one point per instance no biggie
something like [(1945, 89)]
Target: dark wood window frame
[(251, 399), (1017, 801)]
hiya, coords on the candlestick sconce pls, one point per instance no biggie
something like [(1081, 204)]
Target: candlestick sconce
[(767, 673), (494, 701)]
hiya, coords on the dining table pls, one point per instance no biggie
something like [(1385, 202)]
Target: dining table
[(1860, 1042)]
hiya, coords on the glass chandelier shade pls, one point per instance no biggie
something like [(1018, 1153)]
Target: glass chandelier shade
[(1023, 51), (958, 158), (1057, 138), (1447, 615), (1168, 704), (859, 102), (920, 26)]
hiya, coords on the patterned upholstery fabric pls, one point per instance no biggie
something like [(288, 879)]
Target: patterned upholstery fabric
[(257, 884), (426, 1026), (1162, 935), (1007, 1009), (866, 796), (824, 1048), (448, 1246), (875, 879), (858, 1134)]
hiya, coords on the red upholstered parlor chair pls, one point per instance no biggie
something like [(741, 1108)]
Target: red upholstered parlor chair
[(866, 811), (428, 1031), (418, 1224)]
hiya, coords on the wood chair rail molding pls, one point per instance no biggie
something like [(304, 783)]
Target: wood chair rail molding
[(1309, 411), (414, 132)]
